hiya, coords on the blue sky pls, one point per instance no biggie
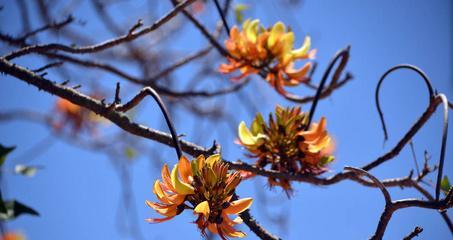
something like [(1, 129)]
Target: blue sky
[(78, 192)]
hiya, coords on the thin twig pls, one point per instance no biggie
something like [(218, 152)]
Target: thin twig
[(104, 45), (414, 233), (344, 56)]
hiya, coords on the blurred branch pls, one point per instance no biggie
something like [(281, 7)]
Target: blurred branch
[(130, 36)]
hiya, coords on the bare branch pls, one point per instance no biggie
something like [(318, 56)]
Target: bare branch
[(104, 45), (414, 233)]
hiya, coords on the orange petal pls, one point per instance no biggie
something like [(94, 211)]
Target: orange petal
[(185, 170), (158, 220), (213, 228), (300, 73), (166, 178), (166, 210), (230, 231), (238, 206), (315, 130)]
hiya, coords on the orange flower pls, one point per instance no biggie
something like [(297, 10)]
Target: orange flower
[(205, 186), (78, 118), (256, 50), (286, 146), (13, 236)]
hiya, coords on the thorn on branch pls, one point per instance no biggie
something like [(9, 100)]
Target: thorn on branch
[(135, 27), (64, 83), (417, 230)]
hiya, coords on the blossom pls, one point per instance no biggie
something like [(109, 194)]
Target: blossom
[(74, 116), (206, 187), (12, 236), (286, 145), (257, 50)]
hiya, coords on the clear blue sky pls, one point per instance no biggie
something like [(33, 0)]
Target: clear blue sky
[(78, 192)]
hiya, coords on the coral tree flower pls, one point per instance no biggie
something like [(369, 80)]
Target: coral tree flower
[(257, 50), (12, 236), (286, 146), (78, 118), (206, 187)]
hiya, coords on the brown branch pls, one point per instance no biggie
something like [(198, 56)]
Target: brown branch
[(121, 120), (162, 90), (414, 233), (205, 32), (393, 206), (178, 64), (253, 225), (104, 45), (407, 137)]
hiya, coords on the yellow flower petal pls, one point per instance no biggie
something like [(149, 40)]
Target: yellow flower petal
[(203, 208), (239, 206), (302, 51), (245, 135), (180, 187), (247, 138), (252, 30), (277, 30), (212, 159), (246, 23)]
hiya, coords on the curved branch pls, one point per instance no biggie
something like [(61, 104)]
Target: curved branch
[(407, 137), (444, 144), (334, 83), (138, 98), (376, 181), (344, 55), (378, 88)]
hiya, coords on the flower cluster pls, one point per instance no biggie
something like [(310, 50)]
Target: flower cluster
[(286, 145), (12, 236), (74, 116), (270, 52), (206, 187)]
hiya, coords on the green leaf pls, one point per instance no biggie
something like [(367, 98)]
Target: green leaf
[(14, 209), (4, 151), (28, 171), (326, 160), (445, 184), (238, 9)]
